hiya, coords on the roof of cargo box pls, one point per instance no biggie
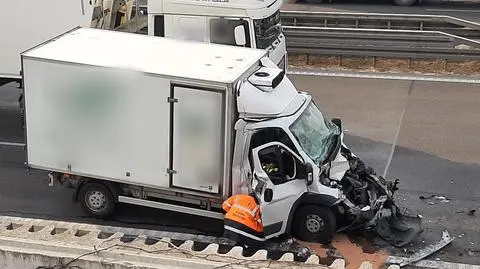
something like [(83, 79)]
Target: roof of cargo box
[(148, 54)]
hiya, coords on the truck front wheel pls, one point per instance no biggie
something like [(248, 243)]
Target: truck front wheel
[(314, 224), (96, 200)]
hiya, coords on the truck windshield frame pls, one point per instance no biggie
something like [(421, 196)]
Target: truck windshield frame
[(315, 133), (267, 30)]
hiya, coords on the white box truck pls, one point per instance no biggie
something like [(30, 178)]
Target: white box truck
[(181, 126)]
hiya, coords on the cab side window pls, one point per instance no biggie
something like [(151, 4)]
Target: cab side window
[(281, 165), (288, 163), (272, 134), (277, 162), (222, 31)]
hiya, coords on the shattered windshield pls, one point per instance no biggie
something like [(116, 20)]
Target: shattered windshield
[(267, 30), (315, 134)]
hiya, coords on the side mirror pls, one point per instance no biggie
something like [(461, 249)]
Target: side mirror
[(268, 196), (309, 172), (240, 38), (337, 122)]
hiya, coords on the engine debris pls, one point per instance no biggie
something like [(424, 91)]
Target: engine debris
[(369, 204)]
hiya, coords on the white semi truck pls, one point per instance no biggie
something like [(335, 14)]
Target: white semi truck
[(182, 126), (249, 23)]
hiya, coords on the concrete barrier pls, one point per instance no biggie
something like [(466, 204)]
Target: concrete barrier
[(43, 244)]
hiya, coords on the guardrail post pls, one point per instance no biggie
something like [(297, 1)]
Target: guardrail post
[(374, 62), (421, 26), (445, 63), (308, 58), (409, 63)]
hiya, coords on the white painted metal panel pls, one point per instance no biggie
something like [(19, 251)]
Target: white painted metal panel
[(235, 8), (149, 54), (97, 122), (198, 134), (190, 28), (26, 23)]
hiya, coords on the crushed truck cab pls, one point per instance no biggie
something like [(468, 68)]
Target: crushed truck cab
[(182, 126), (318, 185)]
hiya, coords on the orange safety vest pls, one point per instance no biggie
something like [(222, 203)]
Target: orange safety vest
[(243, 209)]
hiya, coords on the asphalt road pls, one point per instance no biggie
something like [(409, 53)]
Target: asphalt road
[(435, 128), (468, 10)]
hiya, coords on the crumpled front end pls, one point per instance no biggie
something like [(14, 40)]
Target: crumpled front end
[(368, 202)]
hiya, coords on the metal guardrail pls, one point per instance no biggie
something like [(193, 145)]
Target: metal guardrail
[(383, 35), (448, 24), (382, 43)]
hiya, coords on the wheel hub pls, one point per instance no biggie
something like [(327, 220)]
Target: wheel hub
[(314, 223), (95, 200)]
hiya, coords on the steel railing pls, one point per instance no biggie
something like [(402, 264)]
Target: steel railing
[(383, 35), (442, 23)]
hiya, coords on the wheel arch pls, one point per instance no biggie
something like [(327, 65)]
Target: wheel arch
[(308, 199)]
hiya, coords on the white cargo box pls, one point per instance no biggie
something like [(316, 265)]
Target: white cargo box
[(136, 109)]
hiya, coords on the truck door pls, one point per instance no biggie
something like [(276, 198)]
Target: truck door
[(197, 130), (280, 178)]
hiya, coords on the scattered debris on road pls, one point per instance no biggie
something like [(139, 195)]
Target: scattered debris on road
[(441, 199), (423, 253), (474, 252), (399, 230)]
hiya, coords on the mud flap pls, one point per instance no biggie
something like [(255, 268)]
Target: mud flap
[(399, 229)]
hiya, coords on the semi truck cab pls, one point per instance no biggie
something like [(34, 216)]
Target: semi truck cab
[(251, 23)]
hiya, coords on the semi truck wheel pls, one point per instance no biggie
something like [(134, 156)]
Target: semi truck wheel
[(96, 200), (314, 224)]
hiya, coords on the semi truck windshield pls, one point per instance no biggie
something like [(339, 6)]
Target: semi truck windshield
[(267, 30), (315, 134)]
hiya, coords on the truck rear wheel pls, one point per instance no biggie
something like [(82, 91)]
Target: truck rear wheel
[(314, 224), (97, 200)]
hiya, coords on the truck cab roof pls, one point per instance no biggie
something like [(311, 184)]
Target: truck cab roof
[(148, 54), (242, 8)]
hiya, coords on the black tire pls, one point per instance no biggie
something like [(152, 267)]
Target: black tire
[(314, 224), (96, 200)]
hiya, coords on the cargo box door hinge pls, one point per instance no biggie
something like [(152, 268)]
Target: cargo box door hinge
[(172, 100)]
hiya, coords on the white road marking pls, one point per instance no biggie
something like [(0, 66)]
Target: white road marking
[(2, 143), (440, 264), (452, 10)]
